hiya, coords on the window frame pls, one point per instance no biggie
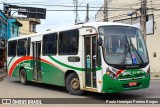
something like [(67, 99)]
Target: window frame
[(28, 47)]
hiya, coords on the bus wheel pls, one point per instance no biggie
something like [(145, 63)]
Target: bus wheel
[(23, 77), (73, 84)]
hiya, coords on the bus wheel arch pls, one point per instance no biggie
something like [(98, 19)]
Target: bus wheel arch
[(23, 76), (72, 83)]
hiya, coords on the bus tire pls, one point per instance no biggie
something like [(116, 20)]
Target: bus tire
[(23, 77), (73, 84)]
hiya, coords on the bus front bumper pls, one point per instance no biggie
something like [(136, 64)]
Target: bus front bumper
[(110, 85)]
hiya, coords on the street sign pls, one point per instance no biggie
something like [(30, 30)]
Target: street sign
[(30, 12)]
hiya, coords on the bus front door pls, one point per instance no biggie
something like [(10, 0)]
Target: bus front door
[(36, 61), (90, 61)]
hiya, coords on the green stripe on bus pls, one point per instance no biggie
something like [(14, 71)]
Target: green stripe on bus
[(99, 68), (65, 65), (10, 61), (68, 66)]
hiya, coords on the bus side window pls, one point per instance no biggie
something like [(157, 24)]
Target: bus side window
[(68, 42), (21, 48), (50, 44), (12, 46)]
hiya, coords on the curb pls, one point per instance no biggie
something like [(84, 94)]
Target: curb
[(155, 78)]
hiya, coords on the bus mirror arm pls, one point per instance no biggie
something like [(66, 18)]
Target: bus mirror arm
[(100, 41)]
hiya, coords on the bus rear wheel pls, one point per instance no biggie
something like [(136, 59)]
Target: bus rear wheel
[(73, 84), (23, 77)]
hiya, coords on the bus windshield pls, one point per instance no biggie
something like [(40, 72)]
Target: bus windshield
[(123, 45)]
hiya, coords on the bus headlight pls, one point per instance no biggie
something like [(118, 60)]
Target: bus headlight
[(111, 74)]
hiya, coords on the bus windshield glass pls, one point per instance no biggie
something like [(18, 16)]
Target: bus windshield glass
[(123, 45)]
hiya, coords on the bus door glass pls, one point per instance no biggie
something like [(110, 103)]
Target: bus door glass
[(36, 61), (90, 61)]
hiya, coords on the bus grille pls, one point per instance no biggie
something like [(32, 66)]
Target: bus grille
[(130, 77)]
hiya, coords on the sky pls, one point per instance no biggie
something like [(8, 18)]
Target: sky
[(56, 19)]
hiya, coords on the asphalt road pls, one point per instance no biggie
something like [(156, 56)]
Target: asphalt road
[(11, 88)]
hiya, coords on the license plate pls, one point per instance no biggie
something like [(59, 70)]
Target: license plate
[(132, 84)]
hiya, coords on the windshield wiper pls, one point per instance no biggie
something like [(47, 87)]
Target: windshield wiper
[(128, 48)]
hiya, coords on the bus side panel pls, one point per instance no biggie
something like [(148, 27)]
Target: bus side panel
[(51, 73), (25, 65), (29, 70), (15, 72), (12, 67), (57, 68), (45, 73), (57, 77)]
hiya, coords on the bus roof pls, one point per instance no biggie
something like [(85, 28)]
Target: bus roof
[(93, 24)]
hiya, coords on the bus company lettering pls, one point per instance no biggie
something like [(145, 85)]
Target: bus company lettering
[(132, 72), (25, 64)]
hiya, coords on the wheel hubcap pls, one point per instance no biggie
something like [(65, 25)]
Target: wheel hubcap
[(75, 83)]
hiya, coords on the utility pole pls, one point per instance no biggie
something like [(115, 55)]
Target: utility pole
[(143, 18), (105, 11), (75, 2), (87, 13)]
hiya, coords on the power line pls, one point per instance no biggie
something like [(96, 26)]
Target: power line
[(60, 5), (57, 5), (109, 9), (40, 2), (129, 5)]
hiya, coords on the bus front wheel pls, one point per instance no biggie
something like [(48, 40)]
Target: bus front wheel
[(73, 84), (23, 77)]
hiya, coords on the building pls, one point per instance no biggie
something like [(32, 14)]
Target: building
[(29, 25), (13, 28), (29, 16), (9, 27), (3, 37), (3, 25), (128, 11)]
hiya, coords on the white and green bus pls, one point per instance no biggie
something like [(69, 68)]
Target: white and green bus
[(99, 57)]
